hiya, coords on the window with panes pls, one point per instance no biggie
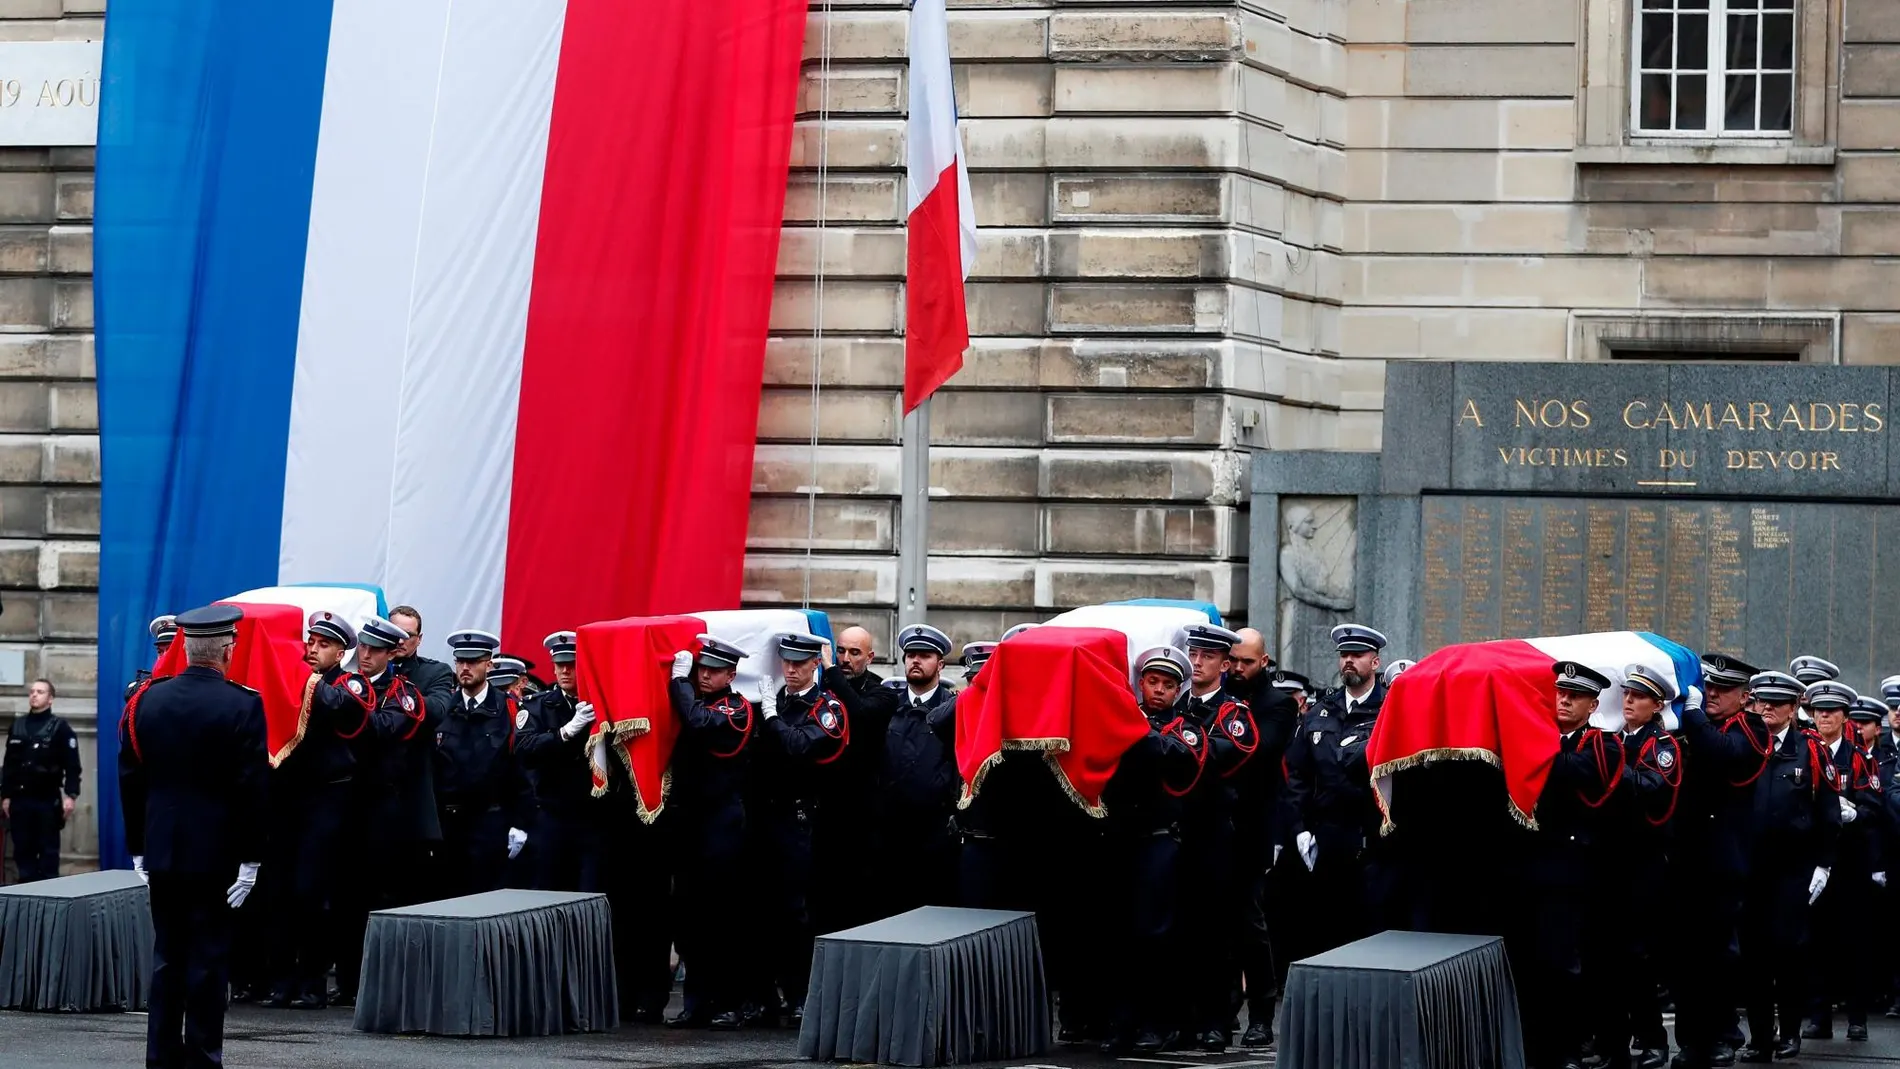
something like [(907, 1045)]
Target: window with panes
[(1713, 68)]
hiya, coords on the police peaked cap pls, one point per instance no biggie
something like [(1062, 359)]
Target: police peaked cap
[(1779, 688), (1867, 710), (1392, 670), (561, 647), (507, 669), (1357, 638), (378, 633), (715, 653), (1830, 695), (163, 629), (1164, 659), (332, 626), (797, 646), (975, 653), (923, 638), (1210, 637), (210, 621), (1811, 669), (1291, 682), (1724, 670), (1647, 681), (1579, 678), (472, 644)]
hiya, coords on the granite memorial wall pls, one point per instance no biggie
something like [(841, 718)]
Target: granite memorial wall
[(1742, 507)]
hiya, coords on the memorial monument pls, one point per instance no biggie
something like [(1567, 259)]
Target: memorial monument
[(1748, 508)]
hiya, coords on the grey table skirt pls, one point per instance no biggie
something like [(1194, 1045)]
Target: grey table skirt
[(505, 963), (76, 944), (1403, 1000), (930, 987)]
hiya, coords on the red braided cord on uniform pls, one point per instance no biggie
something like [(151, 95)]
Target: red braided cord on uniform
[(1672, 776), (829, 701), (130, 718), (416, 713), (1200, 759), (745, 736), (514, 710), (1765, 748), (1596, 738), (1251, 733), (365, 699)]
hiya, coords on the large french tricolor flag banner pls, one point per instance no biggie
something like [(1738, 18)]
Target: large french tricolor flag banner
[(1496, 702), (941, 243), (465, 299)]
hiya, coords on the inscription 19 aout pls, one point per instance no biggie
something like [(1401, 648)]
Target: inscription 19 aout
[(1677, 465)]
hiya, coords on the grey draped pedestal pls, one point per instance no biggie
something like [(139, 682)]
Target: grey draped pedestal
[(77, 944), (930, 987), (505, 963), (1403, 1000)]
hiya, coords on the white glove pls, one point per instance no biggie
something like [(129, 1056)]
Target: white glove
[(1849, 813), (583, 717), (768, 705), (1817, 884), (1692, 700), (1880, 878), (246, 882), (138, 866), (1309, 848), (516, 840), (682, 664), (1276, 855)]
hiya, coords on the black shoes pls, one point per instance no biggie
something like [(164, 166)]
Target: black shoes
[(1211, 1041), (1722, 1055), (729, 1021), (278, 1000), (309, 1002), (1149, 1041), (644, 1015), (1259, 1034), (1750, 1054), (1787, 1049), (1650, 1059), (1857, 1033), (688, 1019), (1817, 1030)]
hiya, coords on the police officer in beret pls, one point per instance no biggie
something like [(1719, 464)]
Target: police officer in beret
[(39, 783), (1560, 862), (552, 739), (706, 809), (311, 790), (1726, 743), (1331, 816), (1794, 843), (481, 795), (1625, 961), (804, 732), (163, 629), (1839, 966), (1141, 845), (1211, 823), (193, 777)]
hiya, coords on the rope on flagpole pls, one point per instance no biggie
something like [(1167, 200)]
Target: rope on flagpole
[(818, 295)]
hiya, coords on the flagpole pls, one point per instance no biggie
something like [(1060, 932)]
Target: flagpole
[(913, 525)]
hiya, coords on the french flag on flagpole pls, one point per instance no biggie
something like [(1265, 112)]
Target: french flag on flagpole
[(941, 219)]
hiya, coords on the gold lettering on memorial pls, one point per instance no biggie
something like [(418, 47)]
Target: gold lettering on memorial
[(1518, 609), (1684, 558), (1727, 581), (1780, 460), (1471, 414), (1768, 532), (1563, 570), (1602, 601), (1643, 569), (1479, 593), (1552, 414), (1562, 457)]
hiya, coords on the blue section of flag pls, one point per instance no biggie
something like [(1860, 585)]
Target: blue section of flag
[(820, 624), (1687, 663), (207, 144), (1212, 613)]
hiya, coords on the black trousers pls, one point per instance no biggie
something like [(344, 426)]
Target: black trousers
[(713, 905), (1621, 960), (637, 874), (302, 873), (781, 856), (1709, 965), (36, 823), (1849, 977), (1142, 973), (380, 875), (474, 853), (1775, 949), (192, 928), (1259, 974), (565, 844)]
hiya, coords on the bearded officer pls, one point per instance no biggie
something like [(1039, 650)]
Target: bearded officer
[(711, 761), (481, 796), (1794, 837), (193, 778), (1257, 791), (916, 779), (1625, 963), (311, 790), (553, 738)]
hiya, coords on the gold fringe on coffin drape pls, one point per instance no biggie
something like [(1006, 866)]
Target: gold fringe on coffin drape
[(623, 733), (1430, 757), (303, 721), (1049, 749)]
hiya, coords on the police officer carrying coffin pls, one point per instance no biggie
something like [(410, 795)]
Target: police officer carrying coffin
[(552, 738), (192, 777), (1840, 973), (805, 730), (1331, 816), (311, 790), (1209, 833), (480, 792), (707, 812), (163, 629), (1794, 836), (1626, 962), (39, 783), (1141, 846)]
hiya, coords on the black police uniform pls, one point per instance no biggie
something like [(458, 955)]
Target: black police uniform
[(1210, 931), (1625, 960), (1794, 827), (1257, 790), (311, 790), (1141, 844), (793, 751), (707, 818), (40, 768), (916, 784), (193, 777), (433, 678), (1834, 976), (1560, 861), (392, 824), (850, 878), (1329, 793), (566, 836), (480, 792)]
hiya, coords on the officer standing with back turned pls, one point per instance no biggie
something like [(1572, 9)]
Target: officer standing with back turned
[(39, 783), (192, 779)]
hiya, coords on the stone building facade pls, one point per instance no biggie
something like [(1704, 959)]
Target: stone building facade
[(1206, 227)]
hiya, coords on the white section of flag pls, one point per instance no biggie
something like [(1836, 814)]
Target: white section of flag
[(1610, 652), (932, 141)]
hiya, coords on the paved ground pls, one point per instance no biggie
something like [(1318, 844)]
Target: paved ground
[(280, 1039)]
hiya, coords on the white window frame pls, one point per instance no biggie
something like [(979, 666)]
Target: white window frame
[(1715, 94)]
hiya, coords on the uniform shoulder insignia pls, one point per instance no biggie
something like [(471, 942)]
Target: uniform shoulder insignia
[(1237, 727), (828, 719), (521, 720), (1665, 757), (1833, 774), (355, 684), (1189, 736), (239, 686)]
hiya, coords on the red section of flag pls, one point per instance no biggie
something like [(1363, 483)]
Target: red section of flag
[(623, 668), (1487, 701), (268, 658), (1061, 690), (936, 320), (658, 242)]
